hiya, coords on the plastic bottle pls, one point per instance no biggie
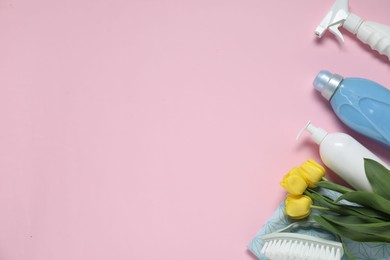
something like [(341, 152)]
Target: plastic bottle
[(376, 35), (361, 104), (343, 155)]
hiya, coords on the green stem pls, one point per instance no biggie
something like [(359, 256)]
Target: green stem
[(324, 183), (319, 207), (307, 193)]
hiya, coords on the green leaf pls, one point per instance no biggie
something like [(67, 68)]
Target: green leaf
[(370, 213), (378, 176), (325, 201), (357, 229), (343, 209), (346, 249), (326, 225), (333, 186), (368, 199)]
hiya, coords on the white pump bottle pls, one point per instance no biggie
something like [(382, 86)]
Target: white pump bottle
[(343, 155)]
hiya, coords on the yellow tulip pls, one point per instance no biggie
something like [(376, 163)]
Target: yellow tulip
[(298, 206), (293, 182), (312, 172)]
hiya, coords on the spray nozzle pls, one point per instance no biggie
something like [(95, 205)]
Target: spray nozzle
[(335, 18), (317, 134)]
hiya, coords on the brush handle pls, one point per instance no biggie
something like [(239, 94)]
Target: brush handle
[(301, 224)]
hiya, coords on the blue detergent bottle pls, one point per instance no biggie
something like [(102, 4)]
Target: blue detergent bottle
[(361, 104)]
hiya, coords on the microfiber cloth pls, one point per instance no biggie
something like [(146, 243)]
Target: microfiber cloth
[(278, 220)]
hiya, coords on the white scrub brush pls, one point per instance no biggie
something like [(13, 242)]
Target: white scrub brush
[(283, 245)]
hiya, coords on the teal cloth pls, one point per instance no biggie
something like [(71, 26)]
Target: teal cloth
[(278, 220)]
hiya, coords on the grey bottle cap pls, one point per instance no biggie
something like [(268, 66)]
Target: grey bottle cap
[(327, 83)]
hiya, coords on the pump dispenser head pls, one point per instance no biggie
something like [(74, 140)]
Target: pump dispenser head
[(327, 83), (317, 134)]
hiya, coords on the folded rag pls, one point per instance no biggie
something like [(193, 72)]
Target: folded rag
[(278, 220)]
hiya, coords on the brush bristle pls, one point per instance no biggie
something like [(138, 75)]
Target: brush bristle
[(286, 249)]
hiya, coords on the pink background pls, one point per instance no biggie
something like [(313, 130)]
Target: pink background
[(160, 129)]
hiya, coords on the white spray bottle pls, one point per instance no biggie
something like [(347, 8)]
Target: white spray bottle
[(343, 155), (376, 35)]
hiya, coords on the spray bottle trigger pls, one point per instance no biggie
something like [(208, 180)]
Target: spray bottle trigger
[(334, 19), (335, 30)]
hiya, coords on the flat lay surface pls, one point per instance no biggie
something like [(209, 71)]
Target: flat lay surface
[(161, 129)]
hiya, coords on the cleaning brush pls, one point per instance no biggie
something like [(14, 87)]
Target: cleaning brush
[(284, 245)]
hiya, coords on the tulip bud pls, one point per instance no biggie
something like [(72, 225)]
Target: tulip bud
[(293, 182), (312, 172), (298, 206)]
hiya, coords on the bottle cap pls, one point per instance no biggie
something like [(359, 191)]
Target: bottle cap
[(317, 134), (352, 23), (327, 83)]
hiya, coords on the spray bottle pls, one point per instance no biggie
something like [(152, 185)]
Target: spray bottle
[(376, 35), (361, 104), (343, 155)]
